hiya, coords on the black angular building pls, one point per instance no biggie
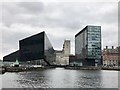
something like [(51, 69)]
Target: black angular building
[(35, 48), (12, 57)]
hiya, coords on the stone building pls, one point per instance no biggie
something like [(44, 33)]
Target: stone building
[(111, 56), (118, 55), (62, 56)]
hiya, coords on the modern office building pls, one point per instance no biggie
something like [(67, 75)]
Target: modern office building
[(88, 46), (36, 48)]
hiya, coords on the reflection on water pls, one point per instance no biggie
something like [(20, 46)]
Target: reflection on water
[(61, 78)]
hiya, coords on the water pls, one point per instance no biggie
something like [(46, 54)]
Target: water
[(61, 78)]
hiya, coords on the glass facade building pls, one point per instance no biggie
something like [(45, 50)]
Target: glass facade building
[(88, 46), (37, 47), (34, 48), (11, 57)]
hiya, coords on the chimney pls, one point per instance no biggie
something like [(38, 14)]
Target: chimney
[(112, 47)]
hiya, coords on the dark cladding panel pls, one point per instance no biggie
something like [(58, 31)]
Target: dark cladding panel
[(49, 51), (80, 44), (11, 57), (32, 48)]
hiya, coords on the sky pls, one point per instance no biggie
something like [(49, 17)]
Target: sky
[(60, 20)]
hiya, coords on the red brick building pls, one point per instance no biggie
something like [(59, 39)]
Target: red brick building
[(111, 56)]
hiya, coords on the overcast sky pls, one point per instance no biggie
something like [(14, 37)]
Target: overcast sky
[(60, 21)]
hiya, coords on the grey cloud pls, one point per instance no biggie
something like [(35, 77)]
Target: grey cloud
[(32, 7), (68, 15), (16, 12)]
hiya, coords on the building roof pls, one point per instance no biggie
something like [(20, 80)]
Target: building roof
[(111, 51), (32, 36), (85, 29), (15, 52), (81, 31)]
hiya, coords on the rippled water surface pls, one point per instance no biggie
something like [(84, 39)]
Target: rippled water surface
[(61, 78)]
